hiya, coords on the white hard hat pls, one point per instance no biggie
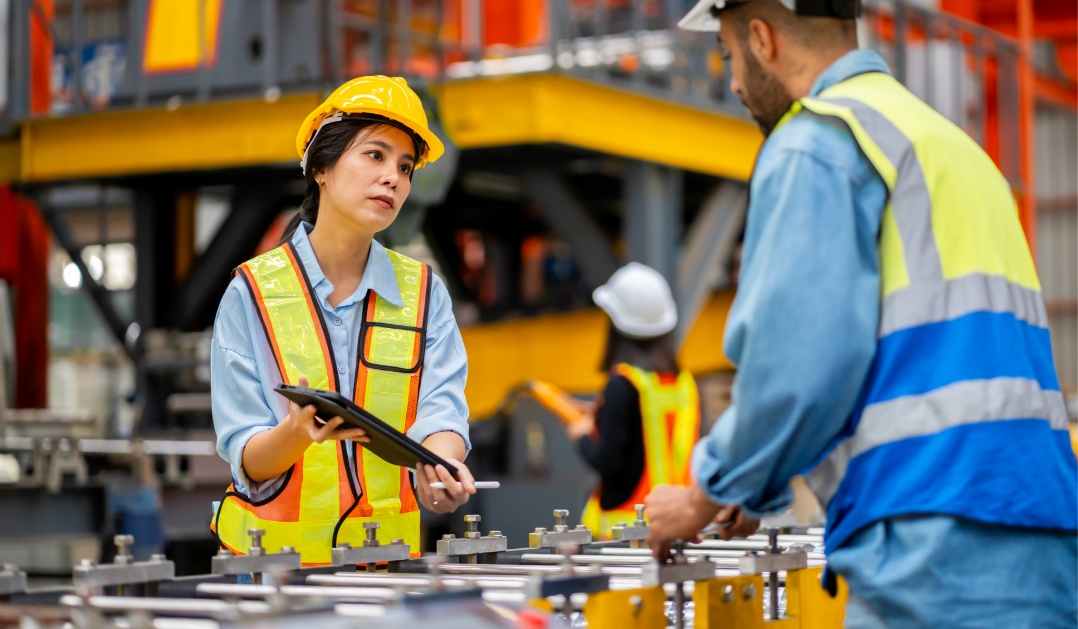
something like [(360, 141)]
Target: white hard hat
[(699, 17), (639, 301)]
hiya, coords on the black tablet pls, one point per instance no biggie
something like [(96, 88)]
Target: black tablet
[(387, 442)]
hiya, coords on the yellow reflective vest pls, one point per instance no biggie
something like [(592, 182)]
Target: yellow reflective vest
[(319, 504), (670, 414)]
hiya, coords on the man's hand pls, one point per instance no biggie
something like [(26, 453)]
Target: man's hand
[(676, 513), (737, 523)]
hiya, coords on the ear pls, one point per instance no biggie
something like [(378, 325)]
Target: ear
[(761, 40)]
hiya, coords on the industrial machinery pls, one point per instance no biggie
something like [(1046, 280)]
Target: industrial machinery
[(560, 579)]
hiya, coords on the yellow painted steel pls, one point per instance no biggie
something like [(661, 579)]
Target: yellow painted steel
[(810, 604), (566, 350), (216, 135), (642, 608), (10, 161), (743, 610), (548, 108), (172, 37)]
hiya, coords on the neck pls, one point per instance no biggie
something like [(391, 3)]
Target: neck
[(805, 67), (341, 251)]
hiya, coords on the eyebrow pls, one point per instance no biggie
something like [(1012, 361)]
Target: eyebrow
[(387, 147)]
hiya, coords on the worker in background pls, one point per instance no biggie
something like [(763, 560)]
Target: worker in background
[(646, 421), (891, 337), (331, 308)]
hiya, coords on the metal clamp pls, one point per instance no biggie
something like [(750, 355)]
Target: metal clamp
[(541, 538), (473, 543), (636, 532), (124, 570), (256, 561), (772, 562), (678, 570), (12, 580)]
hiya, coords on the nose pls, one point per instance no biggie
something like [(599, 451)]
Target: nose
[(391, 175), (735, 85)]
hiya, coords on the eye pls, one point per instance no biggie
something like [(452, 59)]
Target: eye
[(407, 169), (724, 52), (375, 155)]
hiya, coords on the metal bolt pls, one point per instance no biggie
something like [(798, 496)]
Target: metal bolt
[(449, 536), (224, 552), (560, 516), (344, 545), (773, 540), (582, 527), (158, 557), (87, 563), (372, 533), (637, 604), (397, 541), (727, 594), (10, 567), (287, 550), (749, 592), (123, 548), (639, 515), (540, 530), (256, 542), (494, 534), (473, 526)]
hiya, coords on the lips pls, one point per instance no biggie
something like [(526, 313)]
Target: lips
[(385, 202)]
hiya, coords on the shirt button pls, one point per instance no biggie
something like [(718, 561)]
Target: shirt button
[(341, 369), (337, 321)]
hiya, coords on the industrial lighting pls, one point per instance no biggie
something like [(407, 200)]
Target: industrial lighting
[(71, 275)]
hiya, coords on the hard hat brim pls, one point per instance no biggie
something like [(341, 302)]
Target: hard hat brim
[(699, 17)]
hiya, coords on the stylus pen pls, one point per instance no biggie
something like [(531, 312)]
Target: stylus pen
[(493, 484)]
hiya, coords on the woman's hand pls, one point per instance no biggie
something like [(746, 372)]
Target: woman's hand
[(582, 427), (302, 422), (455, 493)]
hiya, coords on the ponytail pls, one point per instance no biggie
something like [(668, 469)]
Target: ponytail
[(308, 211)]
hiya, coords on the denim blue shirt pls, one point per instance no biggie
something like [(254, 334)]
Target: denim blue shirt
[(802, 329), (244, 371)]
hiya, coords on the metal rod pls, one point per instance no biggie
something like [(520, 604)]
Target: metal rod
[(76, 53)]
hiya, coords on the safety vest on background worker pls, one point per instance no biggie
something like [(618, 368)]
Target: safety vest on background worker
[(961, 413), (670, 409), (318, 505)]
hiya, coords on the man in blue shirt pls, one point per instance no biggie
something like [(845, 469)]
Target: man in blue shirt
[(804, 332)]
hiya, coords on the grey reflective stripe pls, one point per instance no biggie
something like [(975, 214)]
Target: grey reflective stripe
[(910, 199), (919, 304), (958, 404)]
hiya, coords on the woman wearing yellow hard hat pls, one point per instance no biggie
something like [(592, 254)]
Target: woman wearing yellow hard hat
[(332, 309), (642, 430)]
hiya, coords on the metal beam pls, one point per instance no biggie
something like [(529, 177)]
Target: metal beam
[(710, 242), (652, 216), (99, 295), (254, 209), (569, 218)]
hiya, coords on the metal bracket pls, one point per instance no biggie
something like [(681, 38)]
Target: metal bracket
[(256, 561), (543, 587), (654, 573), (760, 563), (453, 547), (12, 580), (542, 538), (635, 532), (345, 555), (90, 574)]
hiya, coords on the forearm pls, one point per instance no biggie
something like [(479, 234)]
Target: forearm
[(446, 444), (272, 452)]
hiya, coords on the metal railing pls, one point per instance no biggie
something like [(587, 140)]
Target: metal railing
[(269, 47)]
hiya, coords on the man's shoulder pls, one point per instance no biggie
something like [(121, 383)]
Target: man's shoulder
[(826, 144)]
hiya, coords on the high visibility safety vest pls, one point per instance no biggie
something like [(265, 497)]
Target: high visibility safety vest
[(670, 410), (961, 413), (319, 505)]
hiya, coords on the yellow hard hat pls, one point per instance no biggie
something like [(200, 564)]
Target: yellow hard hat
[(385, 96)]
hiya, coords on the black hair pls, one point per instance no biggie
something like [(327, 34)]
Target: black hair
[(329, 144), (817, 29), (655, 354)]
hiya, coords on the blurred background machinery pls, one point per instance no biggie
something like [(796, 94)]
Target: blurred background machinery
[(147, 149)]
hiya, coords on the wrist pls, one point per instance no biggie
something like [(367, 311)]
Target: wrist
[(296, 433), (703, 508)]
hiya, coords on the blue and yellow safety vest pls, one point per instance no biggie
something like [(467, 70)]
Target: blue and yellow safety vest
[(319, 504), (961, 413)]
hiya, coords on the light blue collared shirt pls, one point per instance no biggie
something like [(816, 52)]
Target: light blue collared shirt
[(244, 371), (802, 330)]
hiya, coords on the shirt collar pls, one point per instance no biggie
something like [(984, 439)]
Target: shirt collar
[(379, 275), (850, 64)]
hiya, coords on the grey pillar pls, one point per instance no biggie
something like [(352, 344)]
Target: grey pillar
[(708, 247), (652, 215)]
